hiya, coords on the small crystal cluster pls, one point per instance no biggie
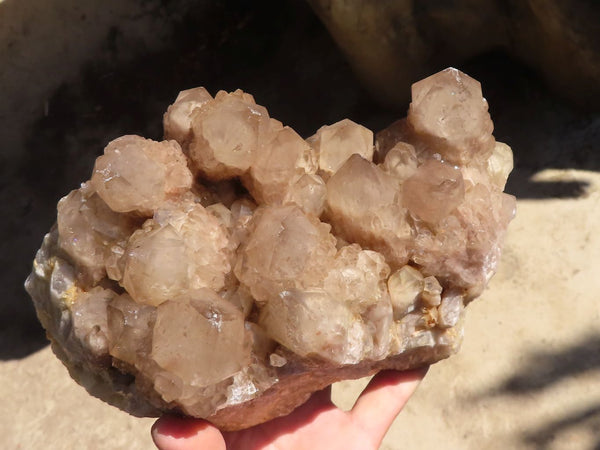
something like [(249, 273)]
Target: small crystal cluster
[(202, 272)]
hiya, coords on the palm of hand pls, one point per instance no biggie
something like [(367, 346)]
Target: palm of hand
[(318, 424)]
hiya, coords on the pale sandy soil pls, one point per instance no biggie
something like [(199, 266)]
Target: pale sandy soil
[(73, 75)]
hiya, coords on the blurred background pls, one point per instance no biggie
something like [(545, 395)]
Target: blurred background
[(75, 74)]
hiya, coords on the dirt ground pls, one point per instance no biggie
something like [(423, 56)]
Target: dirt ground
[(76, 73)]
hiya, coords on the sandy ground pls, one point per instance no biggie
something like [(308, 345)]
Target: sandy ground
[(73, 75)]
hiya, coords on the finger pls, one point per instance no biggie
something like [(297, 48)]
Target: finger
[(383, 399), (180, 433)]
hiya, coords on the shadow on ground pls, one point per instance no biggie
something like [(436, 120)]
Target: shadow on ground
[(279, 52), (542, 370), (543, 437)]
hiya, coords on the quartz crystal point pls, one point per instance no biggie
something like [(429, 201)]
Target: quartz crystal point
[(448, 112), (120, 175), (177, 120), (227, 133), (233, 269), (200, 316), (334, 144), (183, 247)]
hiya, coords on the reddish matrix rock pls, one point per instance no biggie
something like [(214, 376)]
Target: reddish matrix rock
[(283, 264)]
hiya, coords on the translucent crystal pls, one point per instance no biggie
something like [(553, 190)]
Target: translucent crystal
[(88, 229), (277, 360), (364, 207), (137, 174), (90, 322), (314, 323), (199, 326), (358, 277), (335, 143), (401, 161), (500, 164), (177, 121), (448, 111), (432, 291), (285, 249), (450, 309), (285, 158), (183, 247), (399, 132), (466, 250), (226, 135), (284, 172), (435, 190), (130, 329), (308, 192), (405, 286)]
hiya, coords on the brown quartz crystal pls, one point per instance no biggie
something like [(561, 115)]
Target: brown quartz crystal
[(233, 269)]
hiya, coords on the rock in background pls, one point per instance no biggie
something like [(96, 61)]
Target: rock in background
[(391, 44), (76, 74)]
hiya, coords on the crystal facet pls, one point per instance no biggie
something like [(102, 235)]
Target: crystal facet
[(121, 175)]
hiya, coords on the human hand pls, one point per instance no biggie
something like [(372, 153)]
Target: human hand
[(317, 424)]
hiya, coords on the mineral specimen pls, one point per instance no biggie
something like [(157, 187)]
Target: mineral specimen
[(231, 271)]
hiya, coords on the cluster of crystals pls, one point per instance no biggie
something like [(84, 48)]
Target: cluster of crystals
[(200, 258)]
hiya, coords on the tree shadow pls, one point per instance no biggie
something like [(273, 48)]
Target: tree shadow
[(543, 437), (543, 369)]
